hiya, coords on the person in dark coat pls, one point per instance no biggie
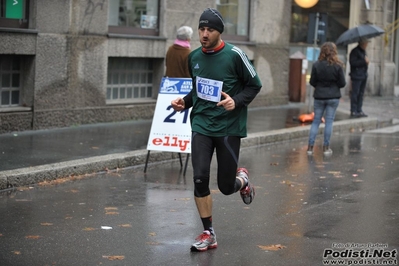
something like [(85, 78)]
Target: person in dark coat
[(359, 64), (327, 78), (177, 54)]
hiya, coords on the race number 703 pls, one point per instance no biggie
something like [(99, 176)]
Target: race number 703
[(207, 89)]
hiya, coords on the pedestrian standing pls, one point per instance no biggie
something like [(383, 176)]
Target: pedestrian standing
[(224, 84), (359, 62), (177, 54), (327, 78)]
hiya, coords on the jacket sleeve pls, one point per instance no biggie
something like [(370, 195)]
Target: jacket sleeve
[(188, 100), (251, 82), (313, 76), (341, 82), (245, 97)]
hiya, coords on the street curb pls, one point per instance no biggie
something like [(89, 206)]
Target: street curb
[(32, 175)]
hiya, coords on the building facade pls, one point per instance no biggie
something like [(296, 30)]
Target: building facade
[(73, 62), (336, 16)]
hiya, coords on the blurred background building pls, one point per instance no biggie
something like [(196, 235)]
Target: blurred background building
[(71, 62), (337, 16)]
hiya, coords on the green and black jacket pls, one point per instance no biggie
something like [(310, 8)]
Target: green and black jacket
[(240, 80)]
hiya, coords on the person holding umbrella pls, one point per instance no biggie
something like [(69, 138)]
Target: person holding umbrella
[(358, 62), (359, 65)]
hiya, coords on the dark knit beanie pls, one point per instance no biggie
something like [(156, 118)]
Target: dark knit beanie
[(211, 18)]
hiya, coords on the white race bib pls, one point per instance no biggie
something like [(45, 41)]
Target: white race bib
[(209, 89)]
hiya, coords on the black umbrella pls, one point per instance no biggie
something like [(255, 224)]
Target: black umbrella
[(365, 31)]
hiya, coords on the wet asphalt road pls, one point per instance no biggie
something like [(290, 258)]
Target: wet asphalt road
[(303, 204), (41, 147)]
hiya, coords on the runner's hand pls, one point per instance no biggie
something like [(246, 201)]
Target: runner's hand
[(178, 104), (228, 103)]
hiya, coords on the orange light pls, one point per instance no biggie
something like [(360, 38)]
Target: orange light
[(306, 3)]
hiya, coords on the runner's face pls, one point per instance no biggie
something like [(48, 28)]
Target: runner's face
[(209, 37)]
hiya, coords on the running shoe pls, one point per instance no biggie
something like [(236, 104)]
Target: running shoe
[(204, 242), (248, 192)]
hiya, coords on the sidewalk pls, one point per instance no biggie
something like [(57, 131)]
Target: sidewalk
[(34, 156)]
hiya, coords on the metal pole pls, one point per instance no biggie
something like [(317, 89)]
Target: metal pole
[(381, 90), (316, 34)]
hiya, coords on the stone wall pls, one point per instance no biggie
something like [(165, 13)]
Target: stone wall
[(66, 54)]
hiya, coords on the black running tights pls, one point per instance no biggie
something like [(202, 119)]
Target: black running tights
[(227, 154)]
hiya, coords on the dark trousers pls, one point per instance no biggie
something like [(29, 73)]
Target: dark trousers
[(227, 155), (358, 87)]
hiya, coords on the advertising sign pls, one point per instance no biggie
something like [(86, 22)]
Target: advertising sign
[(171, 130)]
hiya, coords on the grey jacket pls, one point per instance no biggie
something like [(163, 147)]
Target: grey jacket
[(327, 80)]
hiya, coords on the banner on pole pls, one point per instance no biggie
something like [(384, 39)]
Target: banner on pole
[(171, 130)]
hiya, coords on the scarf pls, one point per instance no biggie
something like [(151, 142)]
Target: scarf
[(182, 43)]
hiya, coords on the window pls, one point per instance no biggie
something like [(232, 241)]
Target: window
[(10, 80), (133, 17), (129, 79), (14, 13), (236, 18)]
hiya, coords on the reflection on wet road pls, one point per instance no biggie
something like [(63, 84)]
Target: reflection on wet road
[(305, 204)]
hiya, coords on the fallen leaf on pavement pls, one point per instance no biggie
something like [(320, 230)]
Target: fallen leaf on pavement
[(114, 257), (125, 225), (112, 213), (16, 252), (152, 234), (271, 247), (32, 237), (110, 208), (46, 224), (89, 229), (184, 199)]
